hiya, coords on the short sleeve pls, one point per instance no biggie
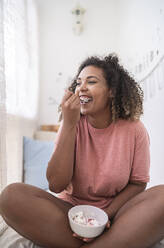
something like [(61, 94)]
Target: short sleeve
[(141, 160)]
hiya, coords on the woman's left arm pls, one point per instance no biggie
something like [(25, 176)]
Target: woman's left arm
[(139, 172), (132, 189)]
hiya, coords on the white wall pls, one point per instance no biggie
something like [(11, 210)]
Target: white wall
[(154, 122), (140, 32), (141, 45), (61, 51), (132, 28)]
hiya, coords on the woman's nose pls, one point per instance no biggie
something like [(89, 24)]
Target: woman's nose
[(83, 87)]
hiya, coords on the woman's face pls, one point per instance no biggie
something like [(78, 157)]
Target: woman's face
[(93, 91)]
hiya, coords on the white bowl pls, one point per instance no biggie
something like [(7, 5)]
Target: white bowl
[(88, 231)]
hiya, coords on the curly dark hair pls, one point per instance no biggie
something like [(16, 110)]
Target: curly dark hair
[(127, 101)]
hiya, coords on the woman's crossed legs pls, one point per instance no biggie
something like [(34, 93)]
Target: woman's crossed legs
[(42, 218)]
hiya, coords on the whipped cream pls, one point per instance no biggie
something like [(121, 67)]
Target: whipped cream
[(81, 218), (85, 99)]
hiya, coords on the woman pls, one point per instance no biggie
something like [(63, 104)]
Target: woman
[(101, 158)]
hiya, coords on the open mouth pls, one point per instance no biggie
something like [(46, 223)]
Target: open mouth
[(85, 99)]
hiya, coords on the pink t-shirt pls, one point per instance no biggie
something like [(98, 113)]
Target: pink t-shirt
[(106, 160)]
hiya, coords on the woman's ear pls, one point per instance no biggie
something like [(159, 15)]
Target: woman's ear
[(110, 93)]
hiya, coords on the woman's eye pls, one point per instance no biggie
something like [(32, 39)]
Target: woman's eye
[(80, 83)]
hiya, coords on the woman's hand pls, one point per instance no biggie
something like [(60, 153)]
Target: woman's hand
[(71, 108), (88, 240)]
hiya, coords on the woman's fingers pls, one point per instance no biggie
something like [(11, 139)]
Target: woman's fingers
[(69, 98), (77, 236), (108, 224), (66, 96), (76, 102), (87, 240), (72, 99)]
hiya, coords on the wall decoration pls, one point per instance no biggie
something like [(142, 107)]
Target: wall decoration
[(161, 76), (154, 79), (78, 13)]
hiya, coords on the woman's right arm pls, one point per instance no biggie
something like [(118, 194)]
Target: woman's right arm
[(60, 166)]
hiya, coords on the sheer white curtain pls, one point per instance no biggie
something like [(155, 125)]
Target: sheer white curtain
[(20, 50), (18, 84), (3, 169)]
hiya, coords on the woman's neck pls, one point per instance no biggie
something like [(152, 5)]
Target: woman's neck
[(101, 121)]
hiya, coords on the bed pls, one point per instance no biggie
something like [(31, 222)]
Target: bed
[(36, 153)]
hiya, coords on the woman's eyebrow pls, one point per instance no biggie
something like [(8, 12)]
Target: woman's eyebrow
[(89, 77)]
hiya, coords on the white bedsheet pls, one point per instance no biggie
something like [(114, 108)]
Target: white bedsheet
[(11, 239)]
